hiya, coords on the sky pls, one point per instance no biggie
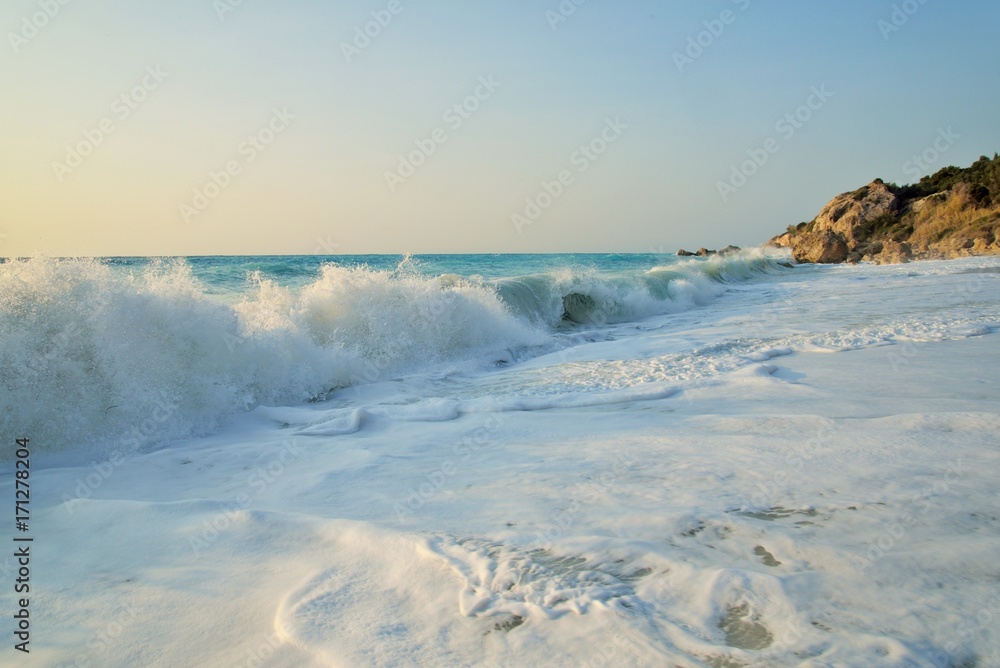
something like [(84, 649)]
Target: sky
[(227, 127)]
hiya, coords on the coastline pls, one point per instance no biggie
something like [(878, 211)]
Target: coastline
[(950, 214), (786, 501)]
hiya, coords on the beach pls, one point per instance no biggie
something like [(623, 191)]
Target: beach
[(757, 465)]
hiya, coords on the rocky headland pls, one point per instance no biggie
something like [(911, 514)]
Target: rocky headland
[(952, 213)]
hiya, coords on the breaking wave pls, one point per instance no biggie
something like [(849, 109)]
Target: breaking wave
[(91, 353)]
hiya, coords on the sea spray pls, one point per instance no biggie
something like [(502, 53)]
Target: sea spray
[(120, 355), (89, 354)]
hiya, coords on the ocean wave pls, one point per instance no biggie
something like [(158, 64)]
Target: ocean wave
[(90, 353), (577, 296)]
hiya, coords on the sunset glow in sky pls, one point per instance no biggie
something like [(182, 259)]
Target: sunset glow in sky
[(248, 127)]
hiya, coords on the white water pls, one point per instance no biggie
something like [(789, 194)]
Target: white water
[(138, 358), (801, 473)]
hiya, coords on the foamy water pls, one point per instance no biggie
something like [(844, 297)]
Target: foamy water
[(615, 460), (143, 351)]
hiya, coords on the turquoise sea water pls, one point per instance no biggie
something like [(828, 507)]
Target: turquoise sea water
[(229, 273)]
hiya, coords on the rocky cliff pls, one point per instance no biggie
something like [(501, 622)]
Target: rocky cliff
[(953, 213)]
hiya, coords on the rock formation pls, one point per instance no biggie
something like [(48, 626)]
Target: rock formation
[(704, 252), (953, 213)]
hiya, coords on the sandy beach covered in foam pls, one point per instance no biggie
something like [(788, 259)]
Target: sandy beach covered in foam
[(802, 472)]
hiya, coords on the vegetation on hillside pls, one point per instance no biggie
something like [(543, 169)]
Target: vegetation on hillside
[(953, 212), (950, 211), (982, 178)]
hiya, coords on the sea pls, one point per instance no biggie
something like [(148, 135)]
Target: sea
[(116, 338), (502, 460)]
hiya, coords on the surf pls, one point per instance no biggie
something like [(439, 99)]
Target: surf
[(99, 351)]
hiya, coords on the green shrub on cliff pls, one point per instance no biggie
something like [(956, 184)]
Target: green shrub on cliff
[(954, 212), (983, 177)]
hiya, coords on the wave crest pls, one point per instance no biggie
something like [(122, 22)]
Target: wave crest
[(90, 353)]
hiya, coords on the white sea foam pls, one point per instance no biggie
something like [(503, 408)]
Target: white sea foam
[(130, 358), (702, 488)]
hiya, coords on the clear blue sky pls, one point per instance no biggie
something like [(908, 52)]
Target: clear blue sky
[(308, 134)]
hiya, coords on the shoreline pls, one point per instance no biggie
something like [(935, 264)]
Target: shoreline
[(775, 510), (786, 508)]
